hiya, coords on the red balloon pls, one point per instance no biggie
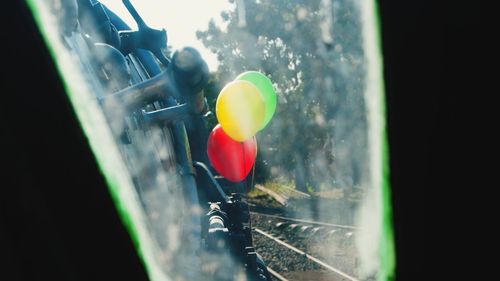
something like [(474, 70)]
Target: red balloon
[(232, 159)]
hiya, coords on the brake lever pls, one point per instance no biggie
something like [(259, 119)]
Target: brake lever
[(147, 38), (133, 12)]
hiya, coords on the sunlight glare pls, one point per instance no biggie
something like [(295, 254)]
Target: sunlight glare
[(181, 19)]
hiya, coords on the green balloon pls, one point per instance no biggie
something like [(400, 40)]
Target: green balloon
[(266, 90)]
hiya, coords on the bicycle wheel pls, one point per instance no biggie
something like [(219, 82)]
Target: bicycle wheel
[(168, 197), (152, 164)]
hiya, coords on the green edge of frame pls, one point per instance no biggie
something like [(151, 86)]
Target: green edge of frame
[(387, 254), (386, 244), (111, 181)]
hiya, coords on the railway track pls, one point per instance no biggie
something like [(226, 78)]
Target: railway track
[(316, 260), (349, 227), (276, 275), (301, 249)]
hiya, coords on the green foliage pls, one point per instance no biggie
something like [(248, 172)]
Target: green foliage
[(313, 54), (211, 92), (310, 188), (279, 185)]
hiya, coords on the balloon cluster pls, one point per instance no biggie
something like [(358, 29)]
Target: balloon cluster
[(244, 107)]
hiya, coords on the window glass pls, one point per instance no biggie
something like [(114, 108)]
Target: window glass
[(241, 139)]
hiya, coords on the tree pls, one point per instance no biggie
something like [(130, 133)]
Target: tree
[(312, 51)]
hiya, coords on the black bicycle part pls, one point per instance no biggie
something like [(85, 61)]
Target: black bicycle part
[(178, 91), (95, 22), (145, 38)]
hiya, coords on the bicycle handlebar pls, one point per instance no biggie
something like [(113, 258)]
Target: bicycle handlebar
[(168, 114), (139, 95), (146, 37), (133, 12)]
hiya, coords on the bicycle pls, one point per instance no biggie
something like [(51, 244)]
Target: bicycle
[(156, 109)]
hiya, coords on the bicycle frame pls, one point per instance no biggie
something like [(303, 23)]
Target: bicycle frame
[(228, 216)]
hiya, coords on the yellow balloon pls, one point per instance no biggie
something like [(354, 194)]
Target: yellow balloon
[(240, 110)]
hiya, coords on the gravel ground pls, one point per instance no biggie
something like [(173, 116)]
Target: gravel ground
[(335, 248), (280, 258)]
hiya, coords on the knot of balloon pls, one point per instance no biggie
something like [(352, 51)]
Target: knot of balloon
[(243, 108)]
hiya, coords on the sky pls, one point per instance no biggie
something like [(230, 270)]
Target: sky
[(181, 19)]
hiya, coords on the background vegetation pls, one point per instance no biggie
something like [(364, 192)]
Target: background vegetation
[(312, 51)]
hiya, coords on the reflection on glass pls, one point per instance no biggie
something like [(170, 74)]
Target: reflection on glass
[(310, 206)]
